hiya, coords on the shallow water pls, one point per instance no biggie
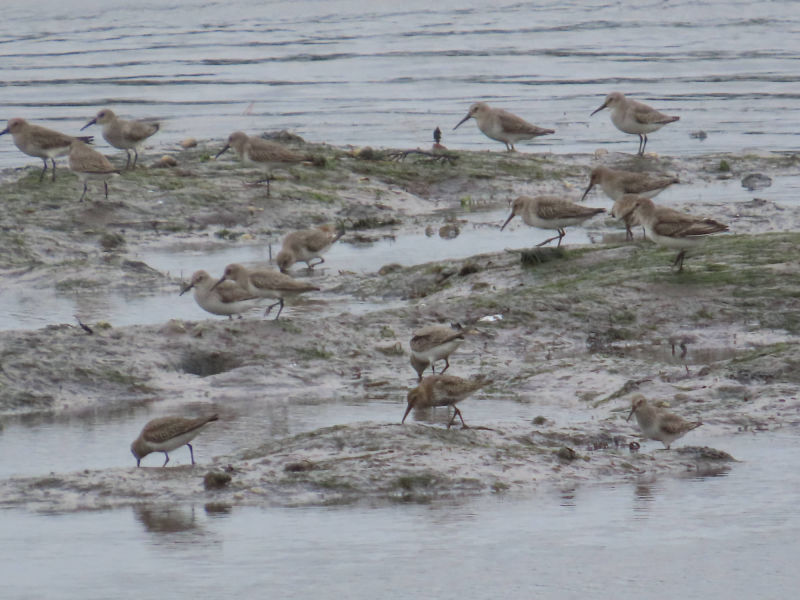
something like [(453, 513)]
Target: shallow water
[(732, 536), (388, 75)]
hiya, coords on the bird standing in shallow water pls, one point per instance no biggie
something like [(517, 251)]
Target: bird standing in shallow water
[(265, 283), (306, 245), (659, 424), (122, 134), (227, 298), (166, 434), (501, 125), (630, 116), (442, 390), (550, 212)]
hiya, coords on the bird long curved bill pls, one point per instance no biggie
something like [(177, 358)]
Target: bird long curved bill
[(223, 151)]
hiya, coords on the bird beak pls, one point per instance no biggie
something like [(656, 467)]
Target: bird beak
[(221, 152), (599, 109), (511, 216), (408, 410), (187, 288), (461, 121), (216, 284), (92, 122), (591, 185), (633, 410), (4, 131)]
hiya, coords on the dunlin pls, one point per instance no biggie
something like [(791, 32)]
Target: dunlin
[(501, 125), (41, 142), (630, 116), (306, 245), (257, 151), (166, 434), (657, 423), (550, 212), (673, 229), (617, 183), (122, 134), (442, 390), (623, 210), (265, 283), (89, 164), (227, 298), (432, 343)]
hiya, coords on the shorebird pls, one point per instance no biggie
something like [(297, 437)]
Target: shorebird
[(89, 164), (122, 134), (442, 390), (616, 183), (227, 298), (257, 151), (41, 142), (550, 212), (623, 210), (265, 283), (166, 434), (657, 423), (306, 245), (432, 343), (630, 116), (672, 229), (501, 125)]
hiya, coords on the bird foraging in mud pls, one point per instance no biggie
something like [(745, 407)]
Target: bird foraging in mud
[(432, 343), (265, 283), (306, 245), (166, 434), (672, 229), (550, 212), (443, 390), (657, 423)]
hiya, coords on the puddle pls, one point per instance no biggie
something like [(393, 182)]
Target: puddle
[(698, 533)]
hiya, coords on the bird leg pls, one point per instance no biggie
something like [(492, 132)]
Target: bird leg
[(628, 234), (446, 365), (679, 260), (105, 184), (53, 160), (128, 153), (321, 260), (135, 157), (166, 460), (41, 175), (83, 195), (191, 452), (271, 306), (457, 412)]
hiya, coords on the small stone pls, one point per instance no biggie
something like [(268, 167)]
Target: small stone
[(566, 453), (215, 480), (189, 143)]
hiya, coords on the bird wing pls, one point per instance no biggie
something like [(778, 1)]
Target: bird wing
[(556, 208), (47, 139), (514, 124), (635, 184), (230, 292), (672, 223), (93, 162), (273, 280), (432, 336), (318, 239), (160, 430), (264, 151), (647, 115), (674, 425), (139, 130)]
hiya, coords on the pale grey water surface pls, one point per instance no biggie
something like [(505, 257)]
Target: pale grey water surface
[(716, 538), (385, 74)]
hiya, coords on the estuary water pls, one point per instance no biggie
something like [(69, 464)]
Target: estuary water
[(387, 73)]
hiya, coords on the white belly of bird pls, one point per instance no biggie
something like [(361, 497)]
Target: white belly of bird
[(212, 303), (439, 352), (492, 128), (175, 442), (678, 243)]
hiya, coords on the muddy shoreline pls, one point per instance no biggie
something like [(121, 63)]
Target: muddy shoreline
[(578, 329)]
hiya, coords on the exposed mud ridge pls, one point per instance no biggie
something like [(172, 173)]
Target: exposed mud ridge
[(568, 334)]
